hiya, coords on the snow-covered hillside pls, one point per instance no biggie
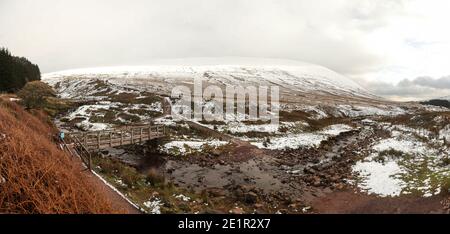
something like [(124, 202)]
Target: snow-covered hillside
[(292, 77)]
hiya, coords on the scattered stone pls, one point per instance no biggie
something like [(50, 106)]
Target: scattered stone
[(258, 205), (237, 210), (306, 209), (155, 194), (340, 186), (199, 200), (216, 192), (316, 181), (170, 170), (212, 211), (251, 197)]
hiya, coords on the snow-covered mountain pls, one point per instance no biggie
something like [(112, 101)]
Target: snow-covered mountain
[(292, 77)]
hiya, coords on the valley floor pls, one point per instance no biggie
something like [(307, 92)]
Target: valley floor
[(236, 176), (346, 156)]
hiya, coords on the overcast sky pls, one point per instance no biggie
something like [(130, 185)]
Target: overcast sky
[(399, 49)]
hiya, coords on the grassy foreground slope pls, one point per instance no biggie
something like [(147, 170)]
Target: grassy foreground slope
[(37, 177)]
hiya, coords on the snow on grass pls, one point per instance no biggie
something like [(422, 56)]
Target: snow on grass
[(300, 140), (85, 125), (336, 129), (380, 178), (357, 111), (403, 164), (292, 141), (86, 111), (166, 121), (234, 71), (316, 112), (155, 107), (182, 197), (239, 127), (445, 133), (186, 147), (154, 205), (15, 99), (242, 128), (403, 145)]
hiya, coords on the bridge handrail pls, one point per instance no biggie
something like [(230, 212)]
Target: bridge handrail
[(156, 128)]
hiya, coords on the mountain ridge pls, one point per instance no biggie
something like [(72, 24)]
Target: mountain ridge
[(290, 75)]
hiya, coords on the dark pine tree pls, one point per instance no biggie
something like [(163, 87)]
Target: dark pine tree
[(15, 72)]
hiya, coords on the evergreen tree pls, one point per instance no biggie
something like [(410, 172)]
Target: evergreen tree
[(15, 72)]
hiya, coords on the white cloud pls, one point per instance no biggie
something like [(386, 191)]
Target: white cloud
[(379, 41)]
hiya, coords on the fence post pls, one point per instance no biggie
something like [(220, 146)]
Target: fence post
[(98, 140), (132, 136)]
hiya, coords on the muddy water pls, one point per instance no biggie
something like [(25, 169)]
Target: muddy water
[(251, 173), (264, 172)]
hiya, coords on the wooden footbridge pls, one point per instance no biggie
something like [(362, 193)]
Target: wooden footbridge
[(82, 144)]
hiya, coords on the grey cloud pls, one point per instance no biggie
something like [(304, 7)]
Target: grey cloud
[(441, 83), (420, 88), (69, 34)]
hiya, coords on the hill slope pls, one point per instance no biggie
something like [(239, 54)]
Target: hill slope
[(35, 176), (304, 87), (291, 76)]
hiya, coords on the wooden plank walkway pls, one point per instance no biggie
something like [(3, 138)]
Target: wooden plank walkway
[(99, 140)]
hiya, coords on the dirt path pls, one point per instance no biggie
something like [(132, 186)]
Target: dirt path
[(349, 202), (118, 203)]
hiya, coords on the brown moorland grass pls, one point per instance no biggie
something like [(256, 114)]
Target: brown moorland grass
[(35, 176)]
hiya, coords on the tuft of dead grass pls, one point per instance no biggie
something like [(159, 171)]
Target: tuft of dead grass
[(35, 176)]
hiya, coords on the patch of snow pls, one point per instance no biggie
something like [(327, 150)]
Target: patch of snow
[(290, 76), (403, 145), (336, 129), (120, 182), (380, 178), (300, 140), (357, 111), (239, 127), (154, 205), (85, 125), (315, 111), (183, 147), (420, 169), (445, 133), (182, 197), (292, 141)]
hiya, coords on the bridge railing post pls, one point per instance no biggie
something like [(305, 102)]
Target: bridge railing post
[(132, 136), (98, 140)]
